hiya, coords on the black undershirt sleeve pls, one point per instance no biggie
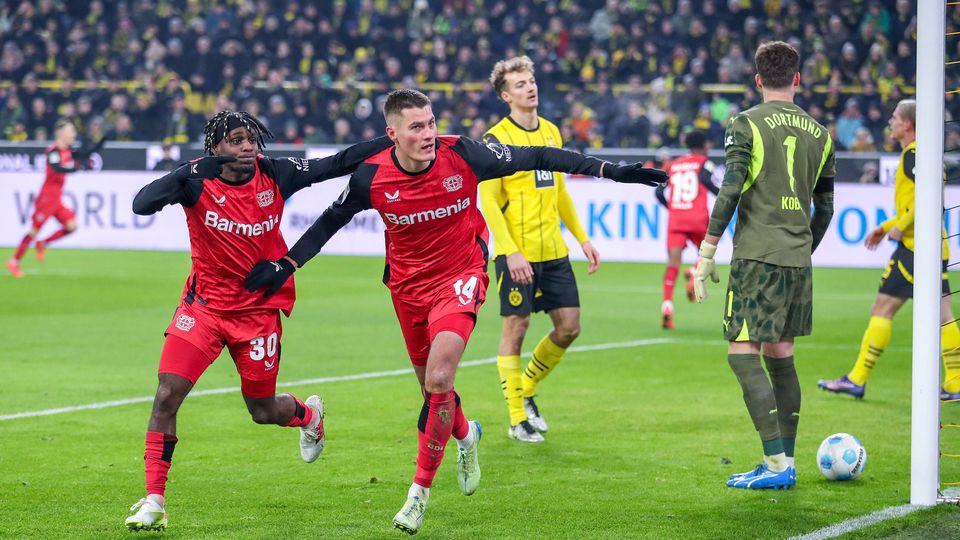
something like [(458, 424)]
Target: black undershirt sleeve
[(354, 199), (170, 189), (493, 160), (294, 174)]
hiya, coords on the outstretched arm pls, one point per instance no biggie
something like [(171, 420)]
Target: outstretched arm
[(495, 160), (294, 174)]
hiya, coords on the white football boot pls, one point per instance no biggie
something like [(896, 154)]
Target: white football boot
[(149, 516), (311, 436), (468, 462), (524, 432), (533, 415)]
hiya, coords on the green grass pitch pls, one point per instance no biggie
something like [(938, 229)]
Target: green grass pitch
[(643, 435)]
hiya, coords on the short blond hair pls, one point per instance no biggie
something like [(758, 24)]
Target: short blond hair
[(908, 110), (498, 77)]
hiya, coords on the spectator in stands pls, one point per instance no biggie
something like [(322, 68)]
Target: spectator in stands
[(166, 163), (863, 141), (849, 121), (189, 49)]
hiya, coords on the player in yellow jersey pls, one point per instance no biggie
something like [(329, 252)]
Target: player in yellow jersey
[(896, 283), (533, 271)]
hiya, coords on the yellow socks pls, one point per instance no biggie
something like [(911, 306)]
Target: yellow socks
[(875, 340), (950, 342), (545, 357), (509, 368)]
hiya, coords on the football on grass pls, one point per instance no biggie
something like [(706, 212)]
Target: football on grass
[(841, 457)]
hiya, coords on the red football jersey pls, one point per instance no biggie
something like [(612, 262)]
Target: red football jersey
[(686, 192), (52, 190), (434, 231), (231, 228), (234, 226)]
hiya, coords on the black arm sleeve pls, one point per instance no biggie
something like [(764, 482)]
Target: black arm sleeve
[(53, 159), (294, 174), (706, 177), (498, 160), (62, 169), (354, 199), (661, 195), (86, 151), (822, 214), (170, 189)]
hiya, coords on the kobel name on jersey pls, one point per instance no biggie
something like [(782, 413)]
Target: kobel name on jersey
[(213, 219)]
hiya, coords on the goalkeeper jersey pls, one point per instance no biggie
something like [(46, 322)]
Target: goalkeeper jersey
[(524, 210), (785, 152), (904, 188)]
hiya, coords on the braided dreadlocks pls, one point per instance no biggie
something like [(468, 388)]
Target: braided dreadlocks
[(226, 121)]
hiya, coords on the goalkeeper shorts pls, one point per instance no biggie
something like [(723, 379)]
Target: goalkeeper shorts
[(766, 303)]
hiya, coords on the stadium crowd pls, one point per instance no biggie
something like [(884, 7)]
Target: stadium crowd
[(615, 73)]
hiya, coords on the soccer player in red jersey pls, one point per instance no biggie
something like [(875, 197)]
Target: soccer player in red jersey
[(233, 199), (436, 262), (61, 159), (690, 179)]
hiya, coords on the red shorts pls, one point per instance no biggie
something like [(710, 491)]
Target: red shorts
[(57, 210), (679, 239), (421, 321), (252, 337)]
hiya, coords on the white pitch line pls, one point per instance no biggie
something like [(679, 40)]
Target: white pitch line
[(861, 522), (319, 380)]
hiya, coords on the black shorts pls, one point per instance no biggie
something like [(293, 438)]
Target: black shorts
[(897, 278), (554, 286)]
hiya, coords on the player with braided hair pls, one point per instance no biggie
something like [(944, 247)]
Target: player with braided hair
[(233, 199)]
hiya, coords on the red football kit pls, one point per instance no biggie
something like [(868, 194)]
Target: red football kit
[(686, 199), (436, 237), (231, 227), (436, 252), (49, 201)]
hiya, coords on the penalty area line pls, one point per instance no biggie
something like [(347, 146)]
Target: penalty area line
[(319, 380)]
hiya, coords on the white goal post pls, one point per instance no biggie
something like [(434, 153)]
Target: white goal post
[(925, 421)]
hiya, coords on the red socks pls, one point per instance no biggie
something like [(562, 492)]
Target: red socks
[(669, 280), (460, 426), (437, 420), (302, 416), (22, 248), (157, 460)]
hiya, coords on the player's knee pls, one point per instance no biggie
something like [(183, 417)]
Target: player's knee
[(517, 327), (166, 402), (439, 382), (69, 227), (261, 415), (567, 333)]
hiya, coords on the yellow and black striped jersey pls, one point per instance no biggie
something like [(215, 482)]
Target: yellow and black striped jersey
[(904, 190), (524, 210)]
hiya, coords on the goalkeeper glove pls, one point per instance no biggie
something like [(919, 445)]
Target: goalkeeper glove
[(269, 274), (204, 168), (634, 173), (705, 267)]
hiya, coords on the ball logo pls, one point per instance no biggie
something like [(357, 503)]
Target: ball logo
[(453, 183), (265, 198), (185, 322)]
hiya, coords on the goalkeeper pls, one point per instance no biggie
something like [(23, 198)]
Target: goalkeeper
[(778, 158)]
